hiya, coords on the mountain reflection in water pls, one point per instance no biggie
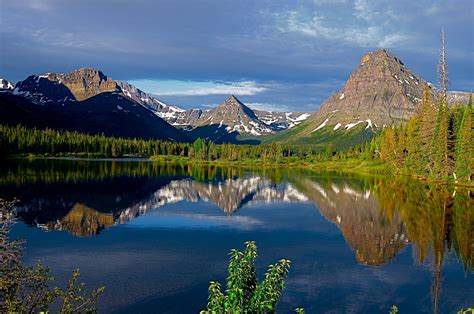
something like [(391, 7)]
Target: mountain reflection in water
[(377, 217)]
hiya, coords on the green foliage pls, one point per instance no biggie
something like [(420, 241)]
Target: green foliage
[(27, 289), (432, 147), (244, 294), (393, 310), (466, 311)]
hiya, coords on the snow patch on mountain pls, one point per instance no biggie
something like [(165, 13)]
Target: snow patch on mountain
[(322, 125), (4, 84)]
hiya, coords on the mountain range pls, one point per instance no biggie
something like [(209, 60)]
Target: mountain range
[(381, 91)]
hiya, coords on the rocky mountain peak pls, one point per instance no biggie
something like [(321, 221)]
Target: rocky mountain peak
[(380, 56), (88, 82), (56, 88), (380, 91), (232, 101), (234, 116)]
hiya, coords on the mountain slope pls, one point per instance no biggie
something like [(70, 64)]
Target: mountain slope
[(281, 120), (381, 91), (84, 100)]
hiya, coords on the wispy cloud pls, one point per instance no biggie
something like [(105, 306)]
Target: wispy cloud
[(367, 26), (268, 106), (190, 88)]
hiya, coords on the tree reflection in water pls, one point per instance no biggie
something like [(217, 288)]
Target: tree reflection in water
[(377, 216)]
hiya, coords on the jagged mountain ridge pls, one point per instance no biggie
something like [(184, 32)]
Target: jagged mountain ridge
[(235, 115), (160, 108), (84, 100), (380, 92)]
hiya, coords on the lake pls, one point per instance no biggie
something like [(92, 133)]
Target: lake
[(155, 234)]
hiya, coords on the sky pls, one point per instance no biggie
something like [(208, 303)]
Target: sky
[(284, 55)]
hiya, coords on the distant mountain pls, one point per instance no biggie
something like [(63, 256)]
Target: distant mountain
[(223, 123), (4, 84), (281, 120), (161, 109), (458, 97), (84, 100), (233, 115)]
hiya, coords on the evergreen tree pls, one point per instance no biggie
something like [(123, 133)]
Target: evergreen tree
[(464, 156), (441, 166), (427, 121)]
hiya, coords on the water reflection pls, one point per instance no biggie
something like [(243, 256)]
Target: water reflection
[(377, 217)]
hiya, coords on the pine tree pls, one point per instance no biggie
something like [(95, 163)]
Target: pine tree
[(464, 156), (441, 166), (427, 121)]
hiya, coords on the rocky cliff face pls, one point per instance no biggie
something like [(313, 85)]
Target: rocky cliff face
[(381, 91), (60, 88), (86, 82)]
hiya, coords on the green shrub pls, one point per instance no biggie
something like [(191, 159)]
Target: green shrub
[(244, 294)]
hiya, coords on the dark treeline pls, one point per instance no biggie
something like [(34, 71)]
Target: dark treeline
[(437, 143), (21, 140), (23, 172)]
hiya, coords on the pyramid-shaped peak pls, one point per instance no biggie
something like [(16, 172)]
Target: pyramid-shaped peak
[(233, 99), (380, 56)]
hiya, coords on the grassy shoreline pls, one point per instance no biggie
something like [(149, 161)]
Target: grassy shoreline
[(352, 166)]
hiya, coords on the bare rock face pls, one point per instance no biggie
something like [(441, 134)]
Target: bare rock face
[(86, 82), (58, 88), (380, 91)]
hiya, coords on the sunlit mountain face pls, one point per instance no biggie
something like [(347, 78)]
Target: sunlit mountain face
[(377, 218)]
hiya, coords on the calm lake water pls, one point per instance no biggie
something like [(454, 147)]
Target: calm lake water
[(155, 235)]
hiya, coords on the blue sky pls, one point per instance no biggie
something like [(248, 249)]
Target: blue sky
[(273, 54)]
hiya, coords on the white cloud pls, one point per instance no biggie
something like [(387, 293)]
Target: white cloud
[(368, 25), (268, 106), (245, 88)]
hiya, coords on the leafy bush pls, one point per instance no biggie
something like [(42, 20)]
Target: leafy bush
[(244, 294), (28, 289)]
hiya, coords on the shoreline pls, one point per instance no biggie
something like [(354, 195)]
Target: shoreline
[(374, 168)]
